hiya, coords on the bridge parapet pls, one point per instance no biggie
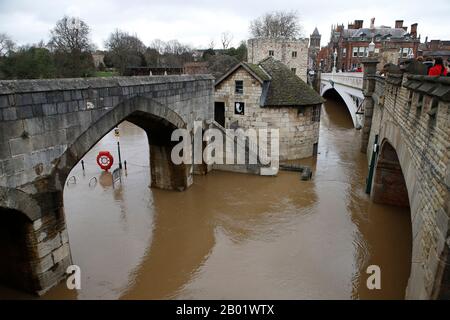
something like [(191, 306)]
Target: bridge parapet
[(40, 119), (378, 94), (412, 115), (350, 79)]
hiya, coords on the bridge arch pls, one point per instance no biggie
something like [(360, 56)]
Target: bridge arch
[(21, 202), (395, 183), (157, 120), (17, 256), (348, 95)]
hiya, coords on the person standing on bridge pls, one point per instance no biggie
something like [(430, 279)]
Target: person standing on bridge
[(439, 69)]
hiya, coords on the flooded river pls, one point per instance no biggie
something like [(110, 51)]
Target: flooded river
[(235, 236)]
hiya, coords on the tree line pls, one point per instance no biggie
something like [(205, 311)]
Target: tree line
[(69, 53)]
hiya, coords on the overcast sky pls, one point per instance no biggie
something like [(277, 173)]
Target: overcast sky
[(197, 22)]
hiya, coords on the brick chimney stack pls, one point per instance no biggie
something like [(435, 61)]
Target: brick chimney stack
[(359, 24), (414, 30), (399, 24)]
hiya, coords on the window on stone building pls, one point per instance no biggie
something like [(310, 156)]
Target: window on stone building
[(377, 50), (344, 52), (294, 70), (239, 86), (355, 51), (315, 116), (271, 53), (294, 54)]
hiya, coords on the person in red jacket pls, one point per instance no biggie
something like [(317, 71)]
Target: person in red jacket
[(439, 69)]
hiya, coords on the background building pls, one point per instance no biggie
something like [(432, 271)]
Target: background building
[(292, 53), (351, 44), (435, 48)]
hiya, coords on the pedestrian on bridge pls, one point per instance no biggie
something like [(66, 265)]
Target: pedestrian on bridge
[(439, 69)]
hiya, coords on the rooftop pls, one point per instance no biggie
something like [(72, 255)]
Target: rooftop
[(281, 87)]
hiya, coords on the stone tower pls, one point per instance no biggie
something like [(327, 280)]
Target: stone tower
[(313, 50), (292, 52), (315, 39)]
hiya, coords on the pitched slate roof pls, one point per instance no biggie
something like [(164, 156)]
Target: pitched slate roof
[(281, 87), (253, 69), (285, 88), (370, 33)]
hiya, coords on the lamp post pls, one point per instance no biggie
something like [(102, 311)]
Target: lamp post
[(371, 49), (334, 63), (117, 134)]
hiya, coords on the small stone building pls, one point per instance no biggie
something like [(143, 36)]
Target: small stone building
[(292, 52), (269, 95)]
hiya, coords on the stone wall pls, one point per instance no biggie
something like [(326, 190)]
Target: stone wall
[(258, 49), (39, 119), (298, 133), (412, 114), (46, 127)]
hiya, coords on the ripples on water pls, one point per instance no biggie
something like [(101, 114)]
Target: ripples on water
[(234, 236)]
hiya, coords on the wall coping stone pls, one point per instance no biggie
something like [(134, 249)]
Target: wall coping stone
[(438, 87), (42, 85)]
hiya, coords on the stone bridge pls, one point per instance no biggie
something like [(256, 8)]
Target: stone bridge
[(406, 135), (349, 87), (47, 126), (405, 121)]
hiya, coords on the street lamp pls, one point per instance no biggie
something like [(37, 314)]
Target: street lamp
[(334, 64), (371, 48)]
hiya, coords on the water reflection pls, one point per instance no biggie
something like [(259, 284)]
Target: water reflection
[(234, 236)]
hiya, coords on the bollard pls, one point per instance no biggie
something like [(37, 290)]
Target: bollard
[(125, 164), (82, 164)]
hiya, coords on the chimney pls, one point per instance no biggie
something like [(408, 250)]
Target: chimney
[(359, 24), (398, 24), (414, 30), (372, 23)]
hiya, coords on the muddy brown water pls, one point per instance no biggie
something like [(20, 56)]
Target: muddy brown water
[(235, 236)]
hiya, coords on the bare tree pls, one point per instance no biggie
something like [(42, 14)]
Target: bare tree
[(70, 34), (158, 45), (126, 50), (226, 40), (211, 44), (278, 24), (6, 45)]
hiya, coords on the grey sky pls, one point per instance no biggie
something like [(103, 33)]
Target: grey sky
[(197, 22)]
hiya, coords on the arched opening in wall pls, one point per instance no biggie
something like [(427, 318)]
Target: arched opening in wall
[(15, 255), (336, 111), (110, 223), (389, 186), (391, 225), (105, 218)]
